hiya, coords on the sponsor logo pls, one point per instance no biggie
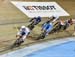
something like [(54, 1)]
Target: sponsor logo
[(39, 7), (43, 9)]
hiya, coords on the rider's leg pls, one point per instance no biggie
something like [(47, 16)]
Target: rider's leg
[(21, 40), (49, 30), (36, 22), (66, 26), (24, 37)]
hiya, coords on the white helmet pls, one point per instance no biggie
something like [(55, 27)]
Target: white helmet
[(23, 27), (50, 16)]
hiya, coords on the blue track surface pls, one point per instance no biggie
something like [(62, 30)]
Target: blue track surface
[(63, 50)]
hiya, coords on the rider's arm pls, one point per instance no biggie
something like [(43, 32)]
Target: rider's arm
[(55, 24), (31, 20), (18, 34), (43, 26), (56, 18)]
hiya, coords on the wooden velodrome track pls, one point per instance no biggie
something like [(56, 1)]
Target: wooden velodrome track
[(10, 17)]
